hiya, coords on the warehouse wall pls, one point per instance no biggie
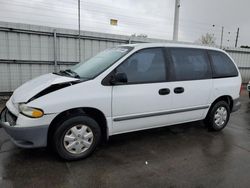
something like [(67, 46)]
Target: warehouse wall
[(242, 58), (27, 51)]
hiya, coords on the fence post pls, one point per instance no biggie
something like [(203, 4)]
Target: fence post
[(55, 51)]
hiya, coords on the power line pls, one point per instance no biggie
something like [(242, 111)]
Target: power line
[(96, 17), (101, 11), (97, 11)]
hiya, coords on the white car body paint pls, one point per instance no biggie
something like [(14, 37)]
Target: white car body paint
[(32, 87), (123, 101)]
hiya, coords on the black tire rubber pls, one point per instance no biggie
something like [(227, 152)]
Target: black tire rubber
[(59, 133), (209, 121)]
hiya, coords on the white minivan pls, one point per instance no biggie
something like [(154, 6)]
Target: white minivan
[(123, 89)]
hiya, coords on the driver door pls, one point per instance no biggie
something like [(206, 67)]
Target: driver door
[(142, 102)]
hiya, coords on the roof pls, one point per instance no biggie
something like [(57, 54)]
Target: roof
[(177, 45)]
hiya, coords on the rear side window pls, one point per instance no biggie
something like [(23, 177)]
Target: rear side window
[(189, 64), (145, 66), (222, 65)]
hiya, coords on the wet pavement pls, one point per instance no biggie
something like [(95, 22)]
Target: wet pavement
[(186, 155)]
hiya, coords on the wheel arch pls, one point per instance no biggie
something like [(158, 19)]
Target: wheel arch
[(94, 113), (227, 98)]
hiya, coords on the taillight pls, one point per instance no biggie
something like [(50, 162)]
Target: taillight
[(241, 88)]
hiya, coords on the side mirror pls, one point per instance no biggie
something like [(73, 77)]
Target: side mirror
[(119, 77)]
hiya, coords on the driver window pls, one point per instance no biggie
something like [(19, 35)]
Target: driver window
[(145, 66)]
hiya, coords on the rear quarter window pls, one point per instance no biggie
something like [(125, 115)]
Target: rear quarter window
[(222, 65)]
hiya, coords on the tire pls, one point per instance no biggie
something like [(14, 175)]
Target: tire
[(76, 138), (218, 116), (249, 94)]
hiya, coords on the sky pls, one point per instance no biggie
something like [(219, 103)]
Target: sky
[(151, 18)]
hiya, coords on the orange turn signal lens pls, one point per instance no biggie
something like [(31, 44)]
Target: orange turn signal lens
[(37, 113)]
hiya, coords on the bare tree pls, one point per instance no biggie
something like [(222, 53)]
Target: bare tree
[(207, 39)]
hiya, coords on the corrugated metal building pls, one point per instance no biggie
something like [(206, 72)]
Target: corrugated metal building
[(242, 58), (27, 51)]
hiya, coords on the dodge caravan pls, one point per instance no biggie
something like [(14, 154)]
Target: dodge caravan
[(123, 89)]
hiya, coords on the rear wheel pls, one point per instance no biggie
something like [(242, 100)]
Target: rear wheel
[(77, 137), (218, 116)]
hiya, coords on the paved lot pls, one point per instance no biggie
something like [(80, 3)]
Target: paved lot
[(185, 155)]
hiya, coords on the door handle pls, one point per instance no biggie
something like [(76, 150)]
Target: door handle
[(178, 90), (164, 91)]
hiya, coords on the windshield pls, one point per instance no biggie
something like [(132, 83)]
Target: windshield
[(99, 63)]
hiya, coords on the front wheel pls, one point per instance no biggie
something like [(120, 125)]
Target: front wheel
[(76, 138), (218, 116)]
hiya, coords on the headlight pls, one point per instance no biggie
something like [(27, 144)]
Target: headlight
[(30, 112)]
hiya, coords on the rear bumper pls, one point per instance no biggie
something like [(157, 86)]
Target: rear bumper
[(236, 105), (25, 137)]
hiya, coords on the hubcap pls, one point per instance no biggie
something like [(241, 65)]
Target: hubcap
[(78, 139), (220, 116)]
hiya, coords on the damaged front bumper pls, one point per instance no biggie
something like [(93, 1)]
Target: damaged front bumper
[(25, 137)]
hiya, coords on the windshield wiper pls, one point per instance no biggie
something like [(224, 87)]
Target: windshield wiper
[(70, 73)]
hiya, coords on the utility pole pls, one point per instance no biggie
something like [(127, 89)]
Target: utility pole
[(237, 37), (79, 28), (55, 51), (131, 38), (222, 35), (176, 19)]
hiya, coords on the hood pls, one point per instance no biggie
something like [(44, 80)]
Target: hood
[(28, 90)]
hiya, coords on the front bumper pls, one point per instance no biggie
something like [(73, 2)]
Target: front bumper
[(236, 105), (25, 137)]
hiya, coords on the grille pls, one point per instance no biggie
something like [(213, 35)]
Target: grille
[(7, 116)]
